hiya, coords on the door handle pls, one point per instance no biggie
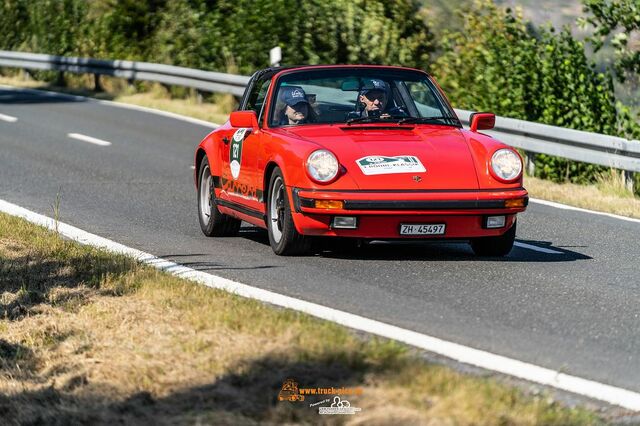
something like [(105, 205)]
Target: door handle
[(226, 140)]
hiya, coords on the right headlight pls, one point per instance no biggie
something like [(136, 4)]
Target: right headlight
[(506, 164), (322, 166)]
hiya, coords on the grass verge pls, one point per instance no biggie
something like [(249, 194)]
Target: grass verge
[(606, 196), (88, 337)]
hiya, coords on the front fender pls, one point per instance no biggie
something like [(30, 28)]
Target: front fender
[(482, 148), (290, 154)]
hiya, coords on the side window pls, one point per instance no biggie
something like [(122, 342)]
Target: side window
[(257, 96), (427, 104)]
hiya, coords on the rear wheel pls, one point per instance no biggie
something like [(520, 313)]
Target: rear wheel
[(212, 222), (495, 246), (285, 240)]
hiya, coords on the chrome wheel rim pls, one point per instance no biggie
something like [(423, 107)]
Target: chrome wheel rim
[(205, 195), (276, 210)]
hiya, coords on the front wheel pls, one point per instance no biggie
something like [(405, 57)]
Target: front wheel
[(212, 222), (284, 239), (495, 246)]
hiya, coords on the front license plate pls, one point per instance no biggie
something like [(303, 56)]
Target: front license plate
[(422, 229)]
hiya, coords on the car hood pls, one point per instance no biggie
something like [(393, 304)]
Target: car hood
[(385, 157)]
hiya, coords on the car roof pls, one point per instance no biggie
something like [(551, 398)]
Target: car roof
[(288, 68)]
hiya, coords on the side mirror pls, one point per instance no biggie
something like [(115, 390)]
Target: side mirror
[(244, 119), (482, 121)]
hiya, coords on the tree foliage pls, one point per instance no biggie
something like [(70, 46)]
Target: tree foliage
[(619, 17), (240, 33), (14, 21), (222, 34), (498, 63)]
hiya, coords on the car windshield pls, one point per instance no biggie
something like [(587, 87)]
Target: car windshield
[(358, 95)]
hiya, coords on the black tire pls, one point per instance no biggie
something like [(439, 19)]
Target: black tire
[(495, 246), (283, 236), (212, 222)]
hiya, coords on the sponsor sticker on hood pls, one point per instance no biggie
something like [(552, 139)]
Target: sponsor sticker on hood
[(383, 165)]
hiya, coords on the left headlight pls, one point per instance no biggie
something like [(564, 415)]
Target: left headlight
[(322, 166), (506, 164)]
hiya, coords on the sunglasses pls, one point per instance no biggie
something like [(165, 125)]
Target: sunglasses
[(373, 96)]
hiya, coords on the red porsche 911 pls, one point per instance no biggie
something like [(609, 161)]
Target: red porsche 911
[(364, 152)]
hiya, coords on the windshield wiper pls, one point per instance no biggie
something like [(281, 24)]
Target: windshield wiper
[(370, 119), (426, 120), (362, 120)]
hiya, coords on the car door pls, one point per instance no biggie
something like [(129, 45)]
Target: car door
[(244, 181)]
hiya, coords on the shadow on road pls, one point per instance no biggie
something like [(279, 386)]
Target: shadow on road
[(335, 248), (210, 266), (37, 95)]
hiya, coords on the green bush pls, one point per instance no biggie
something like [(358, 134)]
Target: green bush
[(498, 63), (238, 34), (14, 21)]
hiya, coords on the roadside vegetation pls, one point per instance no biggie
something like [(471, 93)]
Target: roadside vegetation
[(608, 195), (89, 337)]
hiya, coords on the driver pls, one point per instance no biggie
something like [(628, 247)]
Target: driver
[(373, 96), (373, 99)]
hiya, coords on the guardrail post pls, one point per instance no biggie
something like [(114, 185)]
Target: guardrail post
[(27, 74), (530, 162), (60, 79), (629, 180), (96, 83)]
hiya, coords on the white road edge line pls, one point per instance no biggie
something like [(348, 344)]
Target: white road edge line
[(117, 104), (579, 209), (88, 139), (8, 118), (489, 361), (536, 248)]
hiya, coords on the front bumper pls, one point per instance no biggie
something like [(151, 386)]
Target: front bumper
[(380, 213)]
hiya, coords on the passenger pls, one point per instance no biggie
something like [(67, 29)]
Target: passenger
[(295, 106)]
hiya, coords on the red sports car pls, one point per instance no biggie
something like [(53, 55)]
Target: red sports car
[(365, 152)]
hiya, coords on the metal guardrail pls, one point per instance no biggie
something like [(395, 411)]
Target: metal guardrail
[(131, 70), (531, 137), (588, 147)]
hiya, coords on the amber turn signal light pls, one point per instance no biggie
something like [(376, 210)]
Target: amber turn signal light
[(516, 202), (329, 204)]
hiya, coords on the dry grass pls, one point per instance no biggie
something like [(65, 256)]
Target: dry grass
[(159, 99), (92, 338), (155, 96), (608, 195)]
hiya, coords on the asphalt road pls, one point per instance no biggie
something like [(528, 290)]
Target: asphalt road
[(575, 311)]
